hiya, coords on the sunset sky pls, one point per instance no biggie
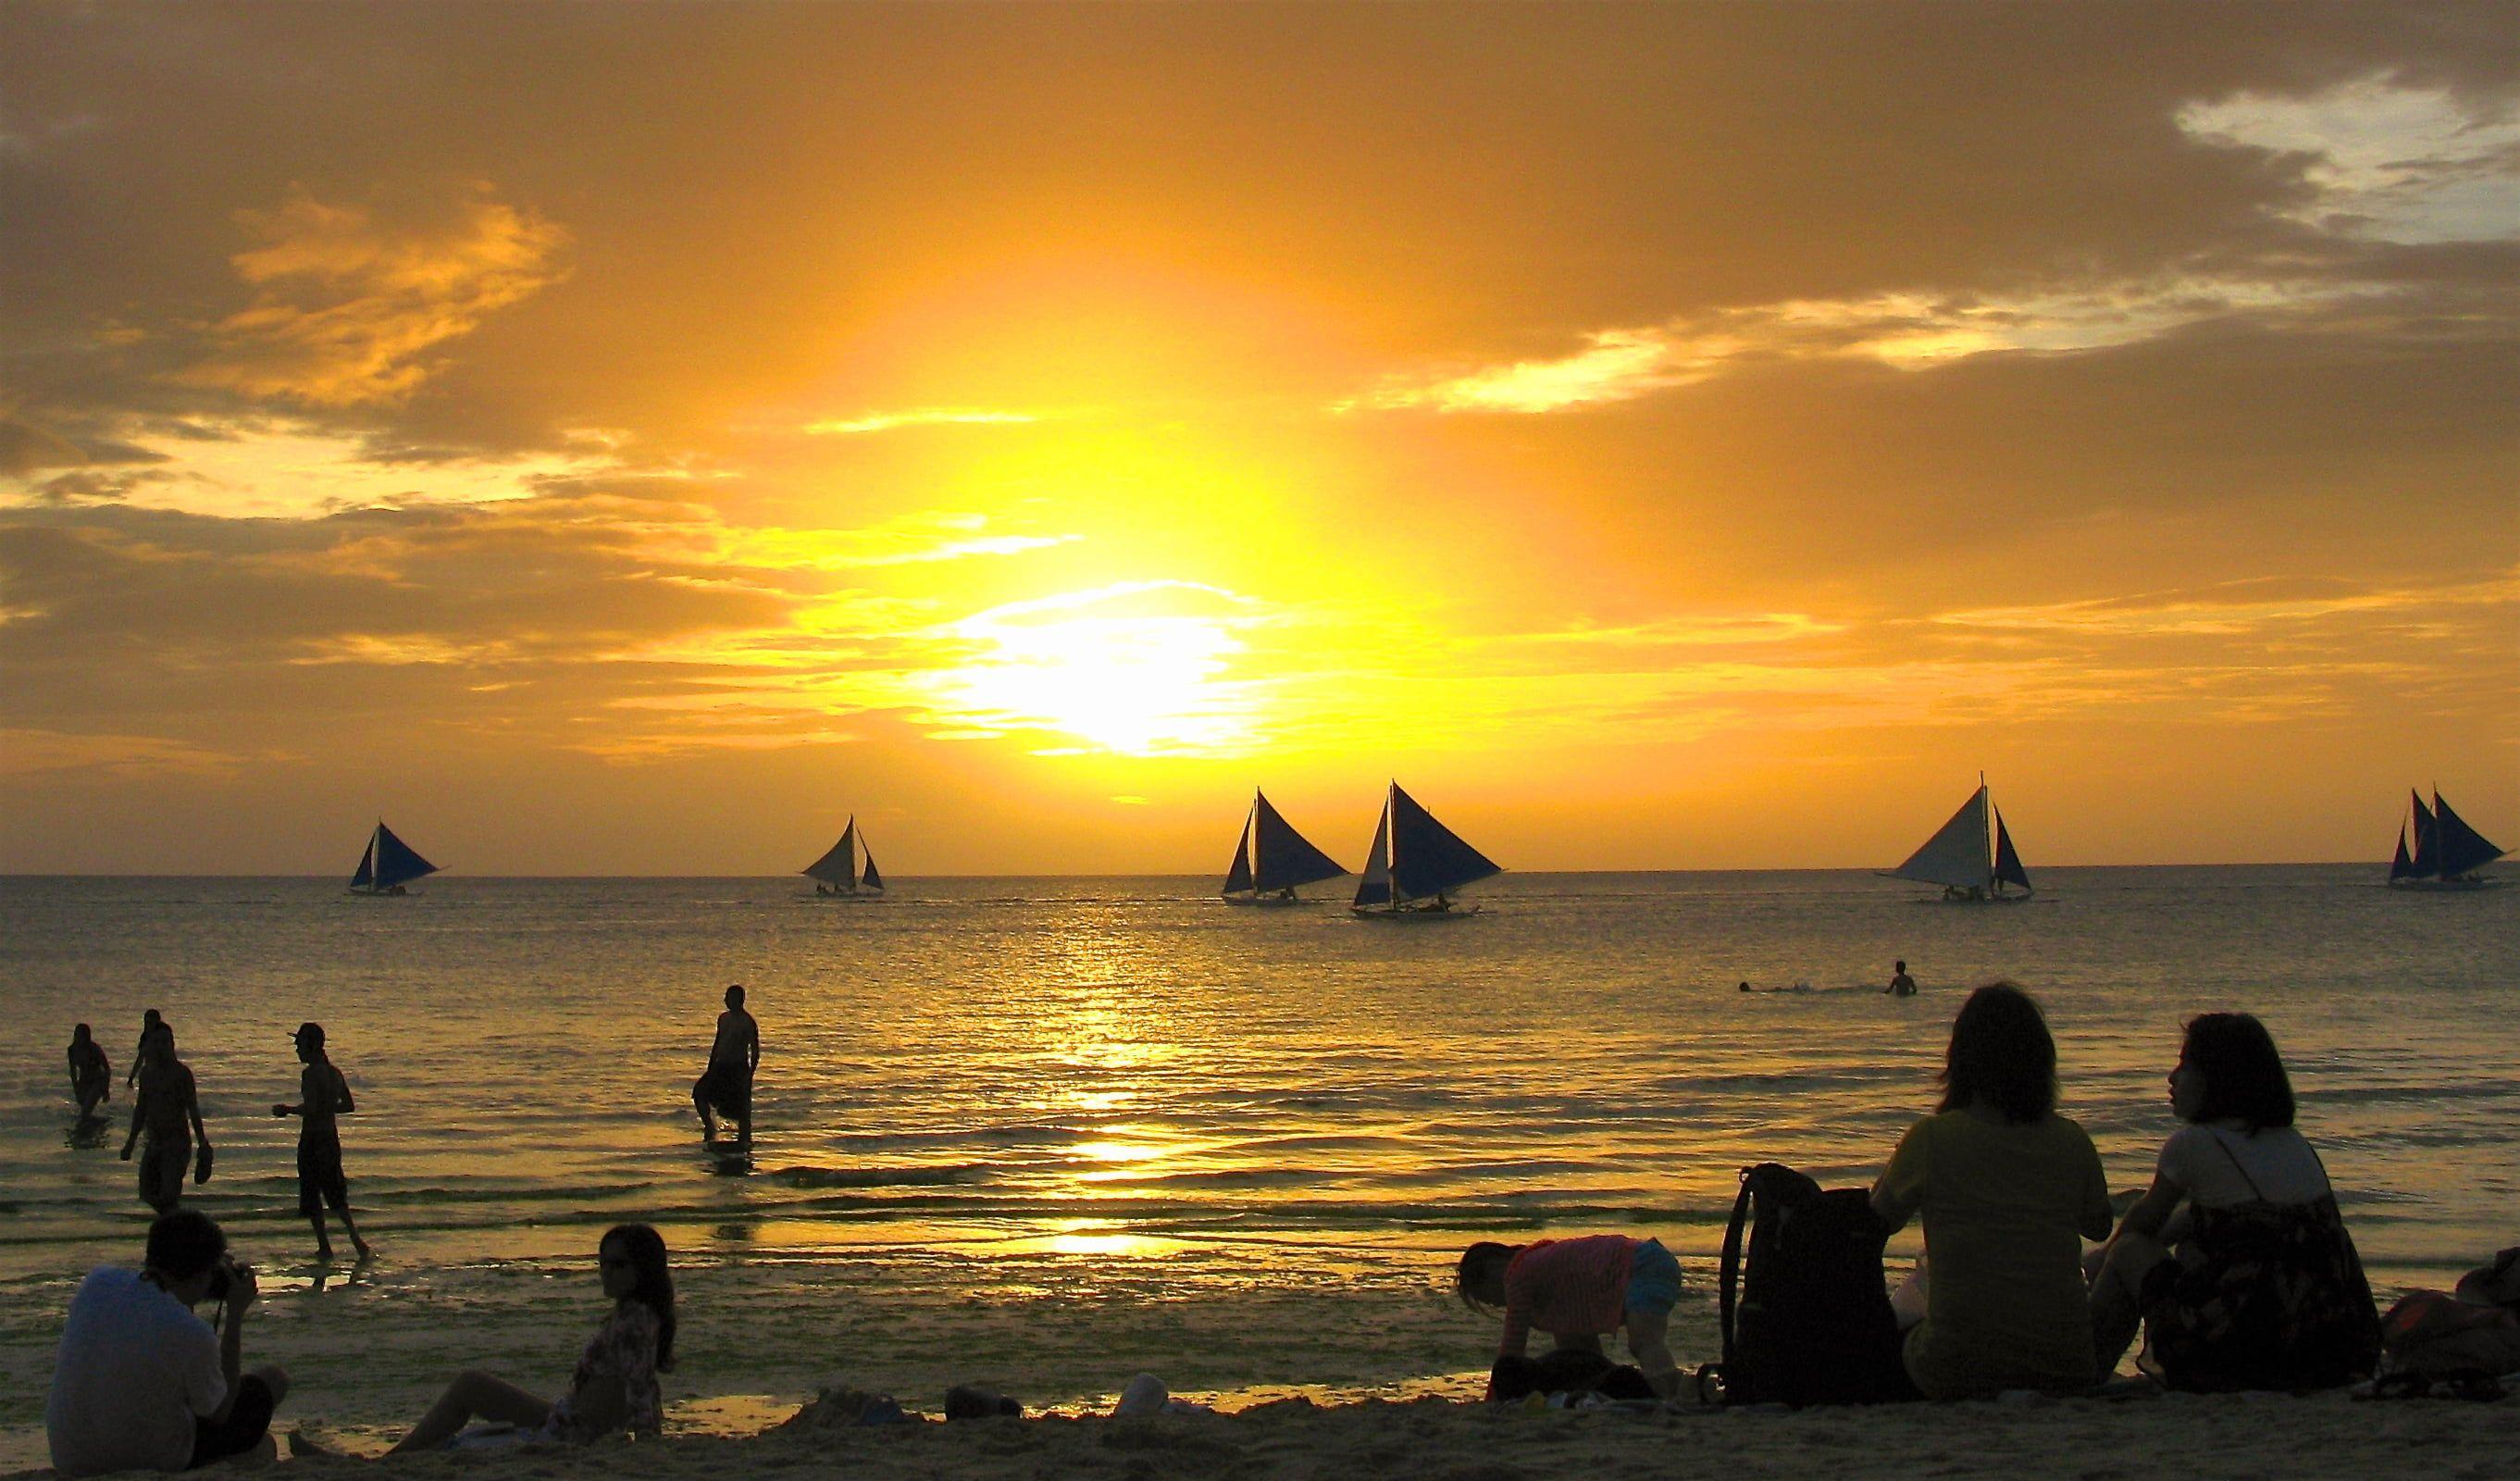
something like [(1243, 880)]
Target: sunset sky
[(629, 439)]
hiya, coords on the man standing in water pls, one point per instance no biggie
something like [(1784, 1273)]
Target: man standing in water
[(726, 1087), (1901, 984), (324, 1098), (169, 1112), (153, 1026)]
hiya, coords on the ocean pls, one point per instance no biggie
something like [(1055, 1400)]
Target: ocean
[(1045, 1134)]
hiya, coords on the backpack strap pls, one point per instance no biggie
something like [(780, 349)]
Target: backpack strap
[(1728, 1280)]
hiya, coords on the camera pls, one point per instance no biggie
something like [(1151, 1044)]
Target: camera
[(224, 1275)]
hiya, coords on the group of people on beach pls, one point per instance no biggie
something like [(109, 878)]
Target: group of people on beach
[(2235, 1261), (140, 1382), (167, 1132)]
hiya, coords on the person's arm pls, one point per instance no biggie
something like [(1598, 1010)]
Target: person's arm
[(343, 1103), (232, 1341), (751, 1044), (139, 1113), (1900, 1189), (193, 1109)]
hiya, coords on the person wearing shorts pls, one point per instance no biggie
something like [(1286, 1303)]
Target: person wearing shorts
[(725, 1087), (1579, 1291), (168, 1111), (324, 1098)]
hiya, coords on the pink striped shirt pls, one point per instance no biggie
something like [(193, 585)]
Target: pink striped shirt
[(1567, 1287)]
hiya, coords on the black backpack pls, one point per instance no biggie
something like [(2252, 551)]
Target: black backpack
[(1807, 1314)]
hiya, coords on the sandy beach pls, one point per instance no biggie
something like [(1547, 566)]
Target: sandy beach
[(1440, 1440)]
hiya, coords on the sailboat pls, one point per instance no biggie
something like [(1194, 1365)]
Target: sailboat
[(2447, 852), (1967, 861), (1272, 859), (1416, 864), (389, 865), (837, 875)]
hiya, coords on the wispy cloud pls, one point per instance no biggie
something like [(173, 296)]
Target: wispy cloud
[(929, 416), (346, 303)]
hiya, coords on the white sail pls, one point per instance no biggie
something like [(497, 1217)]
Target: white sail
[(1956, 857)]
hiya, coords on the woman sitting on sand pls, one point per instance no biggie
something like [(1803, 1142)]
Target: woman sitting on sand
[(2264, 1289), (1577, 1290), (614, 1387), (2009, 1190)]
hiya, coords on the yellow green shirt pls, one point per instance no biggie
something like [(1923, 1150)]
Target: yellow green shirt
[(2006, 1206)]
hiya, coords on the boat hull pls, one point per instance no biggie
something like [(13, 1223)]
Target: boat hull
[(2445, 887)]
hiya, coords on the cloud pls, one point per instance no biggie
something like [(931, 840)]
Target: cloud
[(347, 304), (931, 416)]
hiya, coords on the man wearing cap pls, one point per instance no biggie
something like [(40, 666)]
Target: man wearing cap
[(327, 1096)]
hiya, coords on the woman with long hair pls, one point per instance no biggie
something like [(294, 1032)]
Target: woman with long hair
[(2235, 1259), (2009, 1190), (614, 1387)]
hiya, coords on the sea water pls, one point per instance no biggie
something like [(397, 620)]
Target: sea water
[(1048, 1132)]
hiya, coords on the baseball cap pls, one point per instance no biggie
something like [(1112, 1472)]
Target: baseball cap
[(309, 1031)]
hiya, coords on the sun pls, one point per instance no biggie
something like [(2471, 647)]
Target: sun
[(1136, 668)]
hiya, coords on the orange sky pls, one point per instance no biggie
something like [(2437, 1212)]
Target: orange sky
[(630, 439)]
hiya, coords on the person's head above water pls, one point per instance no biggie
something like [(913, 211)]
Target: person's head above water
[(1479, 1278), (2001, 1055), (81, 1034), (734, 995), (1899, 966), (151, 1019), (2228, 1070)]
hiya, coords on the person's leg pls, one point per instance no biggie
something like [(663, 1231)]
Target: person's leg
[(2117, 1295), (1648, 1337), (700, 1102), (474, 1396), (743, 1113), (342, 1207), (247, 1421)]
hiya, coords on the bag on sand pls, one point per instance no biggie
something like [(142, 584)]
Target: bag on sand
[(2437, 1334), (1566, 1370), (1805, 1313)]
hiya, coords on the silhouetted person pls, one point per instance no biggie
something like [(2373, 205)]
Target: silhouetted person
[(325, 1097), (169, 1112), (725, 1087), (1901, 984), (139, 1382), (151, 1024), (91, 1077)]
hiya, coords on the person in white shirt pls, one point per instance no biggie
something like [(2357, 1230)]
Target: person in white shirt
[(2235, 1261), (141, 1383)]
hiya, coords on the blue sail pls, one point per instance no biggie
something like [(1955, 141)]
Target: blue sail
[(1426, 857), (871, 880), (2007, 864), (2402, 866), (838, 865), (365, 876), (396, 863), (1281, 857), (1238, 875), (2460, 850)]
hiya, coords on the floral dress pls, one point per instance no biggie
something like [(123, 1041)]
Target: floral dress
[(623, 1349)]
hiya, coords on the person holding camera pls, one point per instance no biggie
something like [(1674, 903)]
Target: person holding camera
[(140, 1382)]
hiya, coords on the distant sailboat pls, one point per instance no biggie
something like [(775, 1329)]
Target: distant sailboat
[(1964, 859), (2447, 852), (389, 865), (1272, 859), (836, 874), (1417, 862)]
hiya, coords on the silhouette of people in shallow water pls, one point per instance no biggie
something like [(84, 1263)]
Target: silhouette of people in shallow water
[(725, 1087), (153, 1024), (169, 1112), (91, 1077), (1901, 984), (323, 1098)]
